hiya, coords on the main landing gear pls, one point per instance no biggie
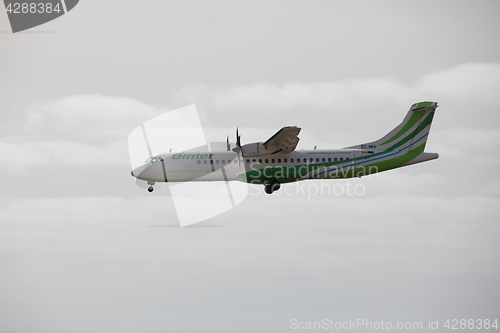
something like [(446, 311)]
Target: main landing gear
[(271, 185)]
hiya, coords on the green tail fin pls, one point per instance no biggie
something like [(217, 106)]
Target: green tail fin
[(410, 134)]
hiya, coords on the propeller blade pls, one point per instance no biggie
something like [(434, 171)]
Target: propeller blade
[(228, 144), (238, 144), (146, 140)]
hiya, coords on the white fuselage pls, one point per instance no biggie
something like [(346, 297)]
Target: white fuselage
[(227, 165)]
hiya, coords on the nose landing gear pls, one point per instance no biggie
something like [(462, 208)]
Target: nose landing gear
[(150, 188)]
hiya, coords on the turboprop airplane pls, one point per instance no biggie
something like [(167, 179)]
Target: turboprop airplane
[(276, 161)]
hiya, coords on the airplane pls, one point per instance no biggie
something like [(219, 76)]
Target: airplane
[(276, 161)]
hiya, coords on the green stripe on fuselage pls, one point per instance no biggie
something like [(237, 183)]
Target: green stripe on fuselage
[(372, 168), (415, 117), (287, 174)]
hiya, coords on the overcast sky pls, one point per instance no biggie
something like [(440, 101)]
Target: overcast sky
[(83, 249)]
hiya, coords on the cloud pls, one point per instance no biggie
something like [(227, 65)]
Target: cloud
[(467, 95), (320, 103), (83, 130), (471, 84), (463, 143), (82, 256), (318, 95), (61, 153), (91, 131), (421, 237), (87, 118)]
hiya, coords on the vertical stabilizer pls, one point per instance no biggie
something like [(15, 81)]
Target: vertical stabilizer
[(411, 134)]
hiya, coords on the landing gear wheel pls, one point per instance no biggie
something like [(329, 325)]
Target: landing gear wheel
[(271, 185), (150, 189)]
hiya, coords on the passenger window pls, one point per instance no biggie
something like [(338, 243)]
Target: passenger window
[(248, 161), (272, 161), (216, 161), (317, 160), (347, 158), (279, 160), (285, 160), (223, 161), (205, 162), (267, 161), (253, 160), (329, 159), (341, 158), (298, 160), (335, 159), (310, 160), (323, 159), (260, 160), (211, 161)]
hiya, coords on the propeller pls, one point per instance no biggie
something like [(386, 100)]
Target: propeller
[(238, 145), (238, 137), (156, 134), (228, 144), (139, 182), (146, 140)]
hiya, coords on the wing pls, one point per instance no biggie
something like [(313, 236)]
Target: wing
[(285, 140)]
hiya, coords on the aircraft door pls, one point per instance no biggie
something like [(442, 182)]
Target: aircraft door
[(165, 165), (359, 158), (359, 161)]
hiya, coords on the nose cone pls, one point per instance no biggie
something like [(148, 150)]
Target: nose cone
[(137, 172)]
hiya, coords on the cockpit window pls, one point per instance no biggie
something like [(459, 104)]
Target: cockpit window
[(153, 159)]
